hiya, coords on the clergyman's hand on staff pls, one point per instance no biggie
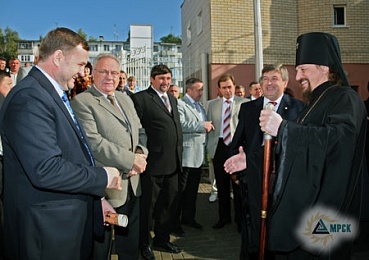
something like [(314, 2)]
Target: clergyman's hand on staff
[(270, 121), (236, 163)]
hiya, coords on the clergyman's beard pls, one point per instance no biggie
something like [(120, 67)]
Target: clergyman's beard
[(307, 94)]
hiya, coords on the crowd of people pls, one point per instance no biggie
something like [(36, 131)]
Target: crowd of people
[(106, 148)]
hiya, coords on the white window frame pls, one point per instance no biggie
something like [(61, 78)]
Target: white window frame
[(335, 20)]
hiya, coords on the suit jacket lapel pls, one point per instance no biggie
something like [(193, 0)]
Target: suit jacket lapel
[(107, 105), (193, 110), (46, 84), (158, 100), (284, 105)]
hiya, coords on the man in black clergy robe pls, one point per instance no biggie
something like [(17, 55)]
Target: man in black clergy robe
[(321, 154), (274, 81)]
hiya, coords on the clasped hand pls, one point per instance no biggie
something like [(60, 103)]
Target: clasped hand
[(139, 164)]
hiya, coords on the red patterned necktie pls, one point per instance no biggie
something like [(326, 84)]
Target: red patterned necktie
[(227, 124)]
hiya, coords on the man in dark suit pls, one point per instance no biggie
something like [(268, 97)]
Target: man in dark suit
[(5, 85), (52, 191), (116, 137), (249, 136), (223, 113), (160, 118)]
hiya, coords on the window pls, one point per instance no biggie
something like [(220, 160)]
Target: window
[(25, 58), (93, 47), (188, 34), (106, 47), (199, 22), (25, 45), (339, 15), (118, 47)]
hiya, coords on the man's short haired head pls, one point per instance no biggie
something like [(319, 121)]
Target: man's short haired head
[(2, 63), (276, 67), (174, 90), (226, 85), (60, 39), (253, 83), (191, 81), (274, 81), (159, 70), (226, 77), (321, 49), (240, 91), (4, 74), (194, 88), (5, 82)]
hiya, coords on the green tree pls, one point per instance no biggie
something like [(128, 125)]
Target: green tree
[(170, 38), (82, 33), (8, 43)]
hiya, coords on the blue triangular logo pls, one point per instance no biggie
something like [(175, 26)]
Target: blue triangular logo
[(320, 228)]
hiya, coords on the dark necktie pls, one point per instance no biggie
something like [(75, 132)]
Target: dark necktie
[(227, 123), (66, 102), (273, 103)]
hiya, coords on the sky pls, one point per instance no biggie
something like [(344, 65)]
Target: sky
[(108, 18)]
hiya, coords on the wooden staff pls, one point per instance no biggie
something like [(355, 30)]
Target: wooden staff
[(265, 188)]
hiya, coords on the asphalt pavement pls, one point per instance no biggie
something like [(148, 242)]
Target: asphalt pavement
[(221, 244)]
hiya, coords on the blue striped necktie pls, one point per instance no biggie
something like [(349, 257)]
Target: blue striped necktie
[(66, 102)]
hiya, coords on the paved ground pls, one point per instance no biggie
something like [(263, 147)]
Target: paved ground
[(223, 244)]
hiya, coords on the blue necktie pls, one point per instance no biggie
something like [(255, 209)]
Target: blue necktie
[(66, 101), (198, 108)]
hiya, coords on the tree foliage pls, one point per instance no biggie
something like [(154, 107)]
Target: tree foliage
[(82, 33), (170, 38), (8, 43)]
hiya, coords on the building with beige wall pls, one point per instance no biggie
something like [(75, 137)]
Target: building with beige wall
[(218, 37)]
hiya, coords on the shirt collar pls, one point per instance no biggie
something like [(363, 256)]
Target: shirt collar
[(190, 98), (160, 94), (230, 99), (55, 84), (266, 101)]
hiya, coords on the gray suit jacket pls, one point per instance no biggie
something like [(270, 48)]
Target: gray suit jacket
[(214, 114), (113, 142), (194, 134)]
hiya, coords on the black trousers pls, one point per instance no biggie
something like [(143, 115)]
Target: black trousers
[(189, 197), (223, 180), (126, 238), (159, 202)]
